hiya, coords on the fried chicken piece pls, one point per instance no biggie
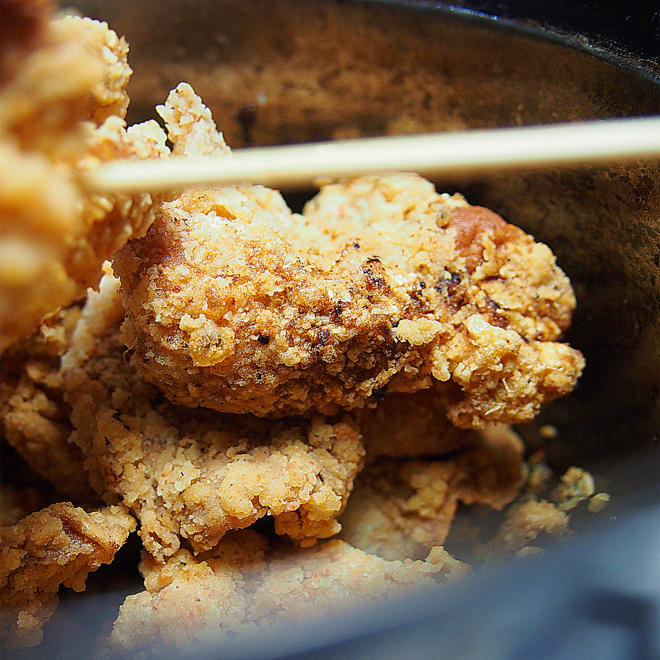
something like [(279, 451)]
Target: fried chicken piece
[(234, 303), (242, 585), (34, 418), (58, 545), (196, 474), (404, 508), (61, 109)]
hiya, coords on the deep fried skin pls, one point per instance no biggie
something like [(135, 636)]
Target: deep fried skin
[(236, 304), (404, 508), (34, 418), (242, 586), (195, 474), (58, 545), (61, 108), (267, 346)]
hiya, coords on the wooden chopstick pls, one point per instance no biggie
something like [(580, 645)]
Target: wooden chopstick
[(437, 154)]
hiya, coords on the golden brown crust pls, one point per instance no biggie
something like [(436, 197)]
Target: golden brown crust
[(268, 346), (242, 306), (470, 224), (34, 418), (58, 545), (195, 474), (109, 94)]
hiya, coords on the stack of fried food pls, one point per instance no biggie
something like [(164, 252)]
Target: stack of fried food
[(186, 367)]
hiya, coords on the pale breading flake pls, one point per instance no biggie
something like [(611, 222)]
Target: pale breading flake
[(56, 546)]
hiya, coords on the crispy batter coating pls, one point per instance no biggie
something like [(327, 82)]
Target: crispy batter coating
[(58, 545), (195, 474), (190, 126), (109, 94), (402, 509), (234, 303), (34, 418), (61, 109), (241, 585)]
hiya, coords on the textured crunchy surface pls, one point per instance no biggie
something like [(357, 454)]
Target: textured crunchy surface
[(402, 509), (197, 473), (235, 303), (34, 417), (61, 103), (242, 585), (58, 545)]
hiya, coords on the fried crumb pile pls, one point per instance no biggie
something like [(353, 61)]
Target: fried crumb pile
[(288, 409)]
